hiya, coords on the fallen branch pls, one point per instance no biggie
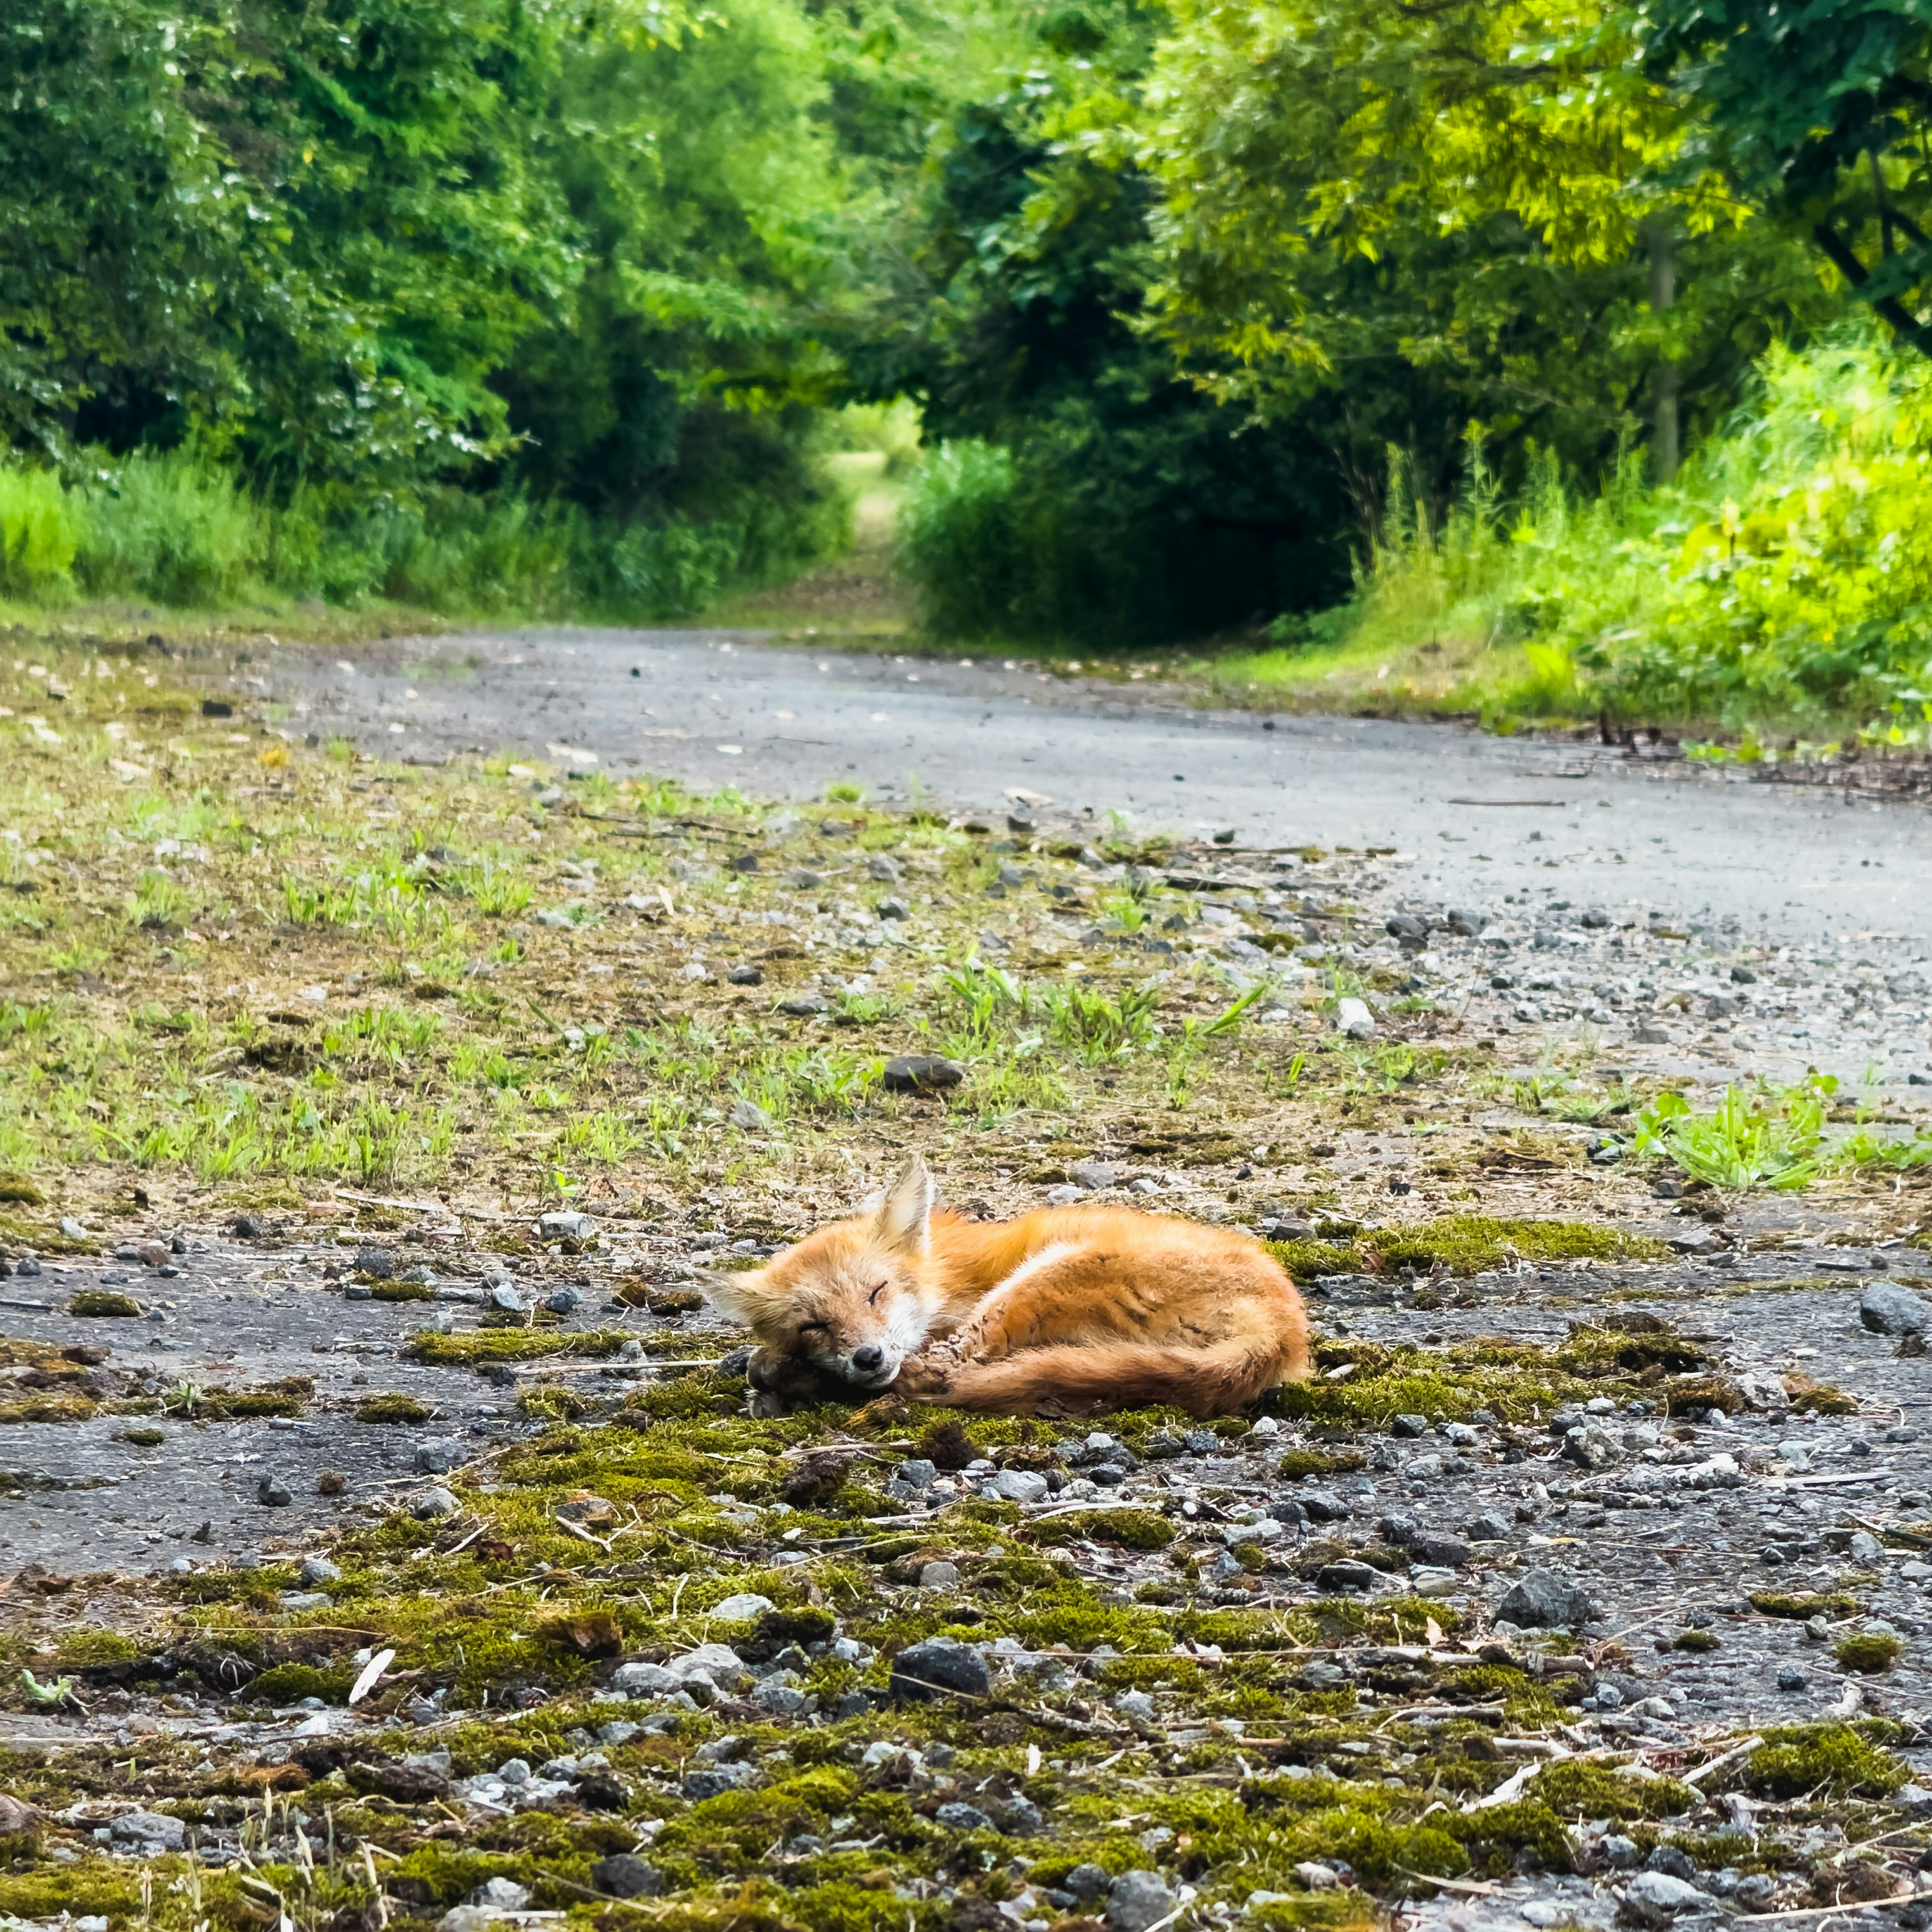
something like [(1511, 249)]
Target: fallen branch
[(1731, 1757)]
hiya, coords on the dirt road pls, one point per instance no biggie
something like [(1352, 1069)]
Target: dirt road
[(719, 709)]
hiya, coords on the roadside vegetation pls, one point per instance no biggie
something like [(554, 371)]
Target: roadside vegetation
[(1150, 326)]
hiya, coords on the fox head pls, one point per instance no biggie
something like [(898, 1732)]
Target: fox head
[(851, 1298)]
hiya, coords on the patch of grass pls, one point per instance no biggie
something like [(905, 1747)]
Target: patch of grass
[(1762, 1137)]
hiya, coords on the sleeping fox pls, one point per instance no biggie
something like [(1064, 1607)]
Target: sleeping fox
[(1060, 1313)]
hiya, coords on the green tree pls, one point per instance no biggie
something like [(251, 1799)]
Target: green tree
[(1819, 114), (1485, 194)]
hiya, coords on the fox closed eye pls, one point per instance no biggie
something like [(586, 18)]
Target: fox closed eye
[(872, 1300)]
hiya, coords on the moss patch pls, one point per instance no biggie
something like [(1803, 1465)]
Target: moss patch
[(399, 1410), (511, 1344), (102, 1301), (1805, 1605), (1830, 1760), (1465, 1244), (1134, 1528), (1868, 1652), (1598, 1791)]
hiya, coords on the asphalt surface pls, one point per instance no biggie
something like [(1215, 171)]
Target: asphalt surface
[(717, 710)]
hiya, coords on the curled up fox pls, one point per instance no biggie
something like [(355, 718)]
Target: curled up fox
[(1060, 1313)]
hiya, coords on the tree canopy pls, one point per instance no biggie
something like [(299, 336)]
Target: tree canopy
[(1192, 267)]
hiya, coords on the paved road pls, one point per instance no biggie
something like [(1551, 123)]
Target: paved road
[(722, 708)]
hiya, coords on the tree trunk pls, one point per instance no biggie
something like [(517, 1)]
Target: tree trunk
[(1664, 383)]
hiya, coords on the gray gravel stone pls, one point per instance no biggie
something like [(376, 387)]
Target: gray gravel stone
[(963, 1818), (928, 1670), (150, 1828), (624, 1875), (1655, 1898), (1541, 1599), (1137, 1900), (1890, 1308), (922, 1073), (1086, 1882)]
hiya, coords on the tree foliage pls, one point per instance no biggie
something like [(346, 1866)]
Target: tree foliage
[(1819, 114)]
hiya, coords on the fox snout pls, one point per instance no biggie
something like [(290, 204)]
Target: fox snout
[(871, 1364)]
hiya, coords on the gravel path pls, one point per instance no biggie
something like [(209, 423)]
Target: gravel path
[(718, 709)]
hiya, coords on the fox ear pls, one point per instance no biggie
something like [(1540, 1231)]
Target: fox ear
[(904, 1216), (743, 1297)]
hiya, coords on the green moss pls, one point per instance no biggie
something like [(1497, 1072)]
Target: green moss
[(1805, 1605), (46, 1406), (511, 1344), (102, 1301), (1493, 1837), (289, 1683), (1834, 1760), (1432, 1853), (141, 1438), (1868, 1652), (554, 1404), (1300, 1462), (1814, 1398), (289, 1396), (1515, 1381), (401, 1291), (1135, 1528), (1465, 1244), (87, 1887), (17, 1187), (1580, 1790), (402, 1410), (1693, 1639), (79, 1649)]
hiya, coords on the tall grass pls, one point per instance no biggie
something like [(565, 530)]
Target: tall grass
[(41, 527), (1784, 580), (178, 528)]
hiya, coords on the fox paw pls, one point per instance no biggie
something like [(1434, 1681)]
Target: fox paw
[(929, 1373)]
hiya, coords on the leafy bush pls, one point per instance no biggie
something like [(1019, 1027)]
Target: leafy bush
[(1785, 580), (959, 540)]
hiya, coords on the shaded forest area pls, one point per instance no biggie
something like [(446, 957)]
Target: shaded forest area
[(1210, 314)]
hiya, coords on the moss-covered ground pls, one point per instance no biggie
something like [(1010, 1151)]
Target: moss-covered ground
[(249, 977)]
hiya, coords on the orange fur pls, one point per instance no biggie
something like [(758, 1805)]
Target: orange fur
[(1062, 1311)]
